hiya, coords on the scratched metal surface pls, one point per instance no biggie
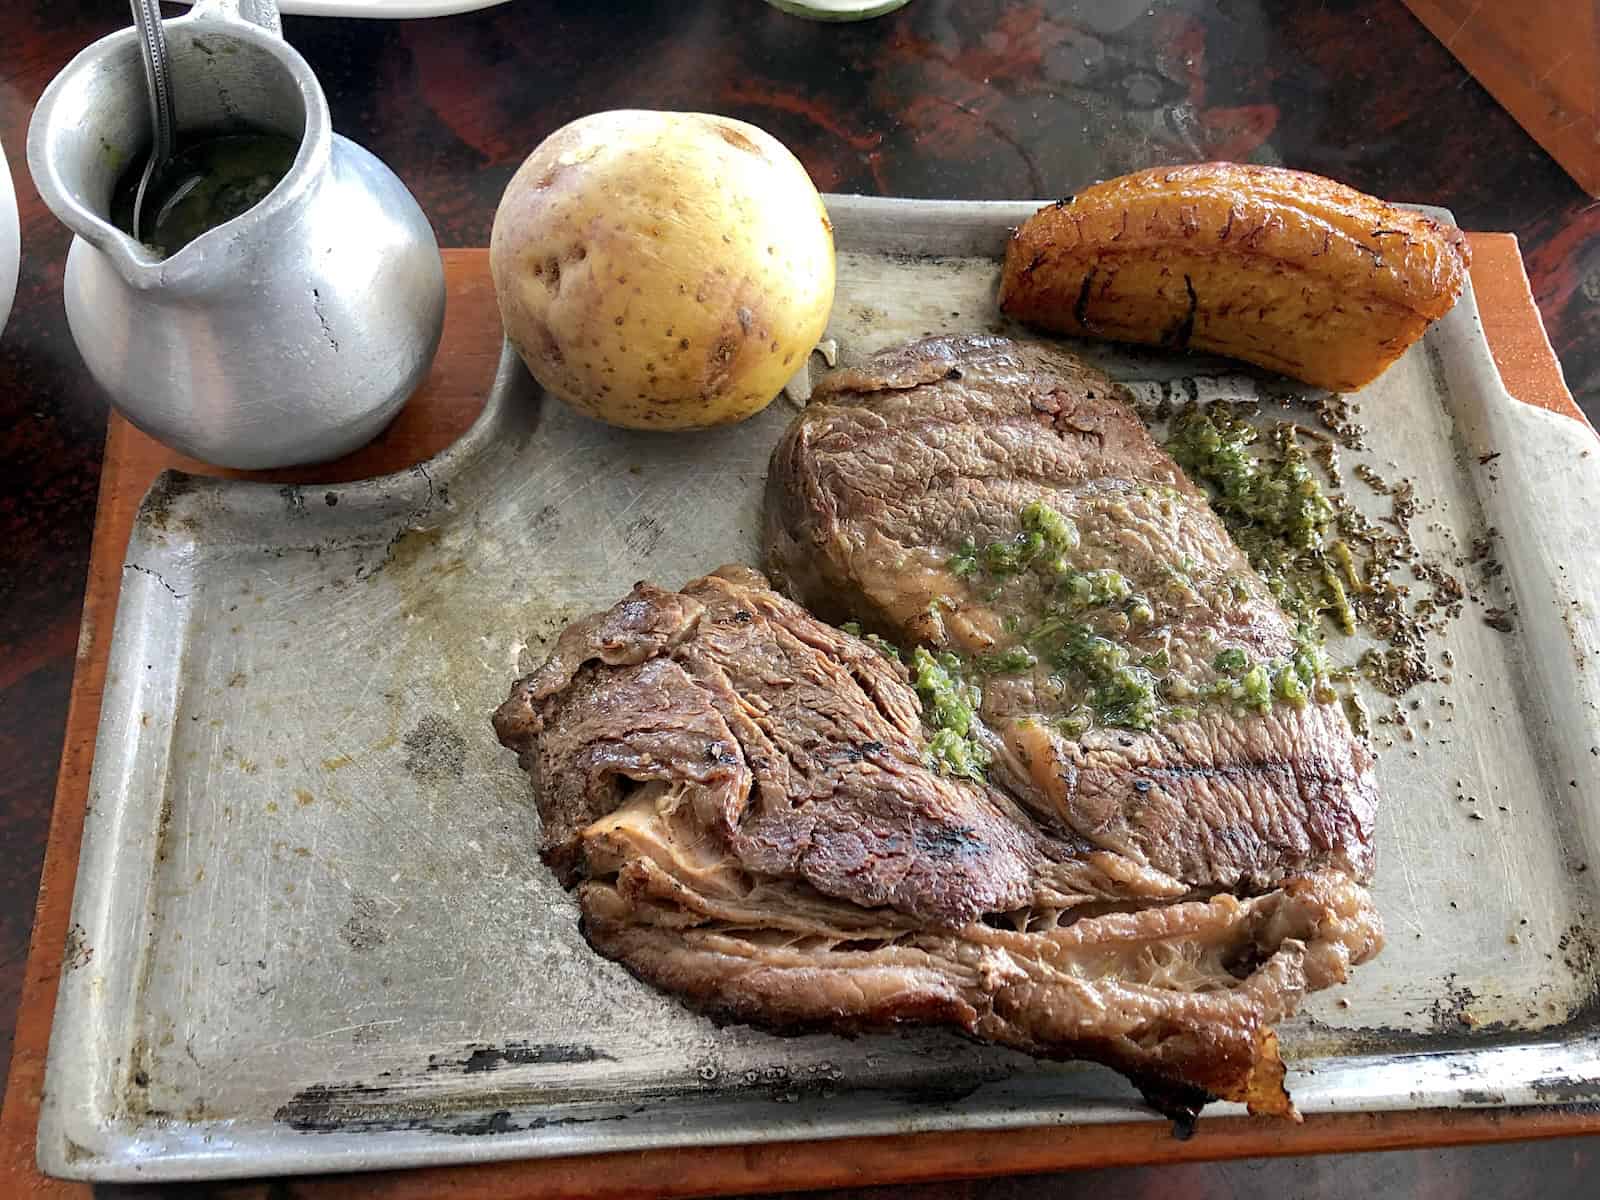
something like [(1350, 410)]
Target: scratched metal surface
[(310, 931)]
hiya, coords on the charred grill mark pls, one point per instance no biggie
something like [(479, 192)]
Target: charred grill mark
[(1080, 310), (1377, 256), (1178, 336), (870, 688), (1227, 226), (718, 753), (1034, 263), (1343, 805), (950, 841), (1231, 771)]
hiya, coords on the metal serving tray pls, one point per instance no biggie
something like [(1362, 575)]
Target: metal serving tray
[(310, 931)]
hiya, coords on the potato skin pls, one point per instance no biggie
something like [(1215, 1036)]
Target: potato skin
[(662, 270), (1287, 270)]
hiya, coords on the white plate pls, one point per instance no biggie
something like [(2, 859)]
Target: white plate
[(393, 10), (10, 241)]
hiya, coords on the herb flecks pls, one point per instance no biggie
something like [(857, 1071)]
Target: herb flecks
[(949, 707), (1045, 537), (1277, 512), (1117, 690), (1327, 566), (882, 645), (1277, 493), (1073, 642)]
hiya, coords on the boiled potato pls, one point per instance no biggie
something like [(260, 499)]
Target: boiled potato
[(662, 270)]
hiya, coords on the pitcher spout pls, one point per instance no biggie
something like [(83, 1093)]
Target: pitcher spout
[(91, 127)]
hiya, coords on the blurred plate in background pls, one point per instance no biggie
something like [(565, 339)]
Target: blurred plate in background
[(394, 10), (10, 240)]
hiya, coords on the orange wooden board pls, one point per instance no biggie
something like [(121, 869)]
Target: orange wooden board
[(1541, 60), (435, 417)]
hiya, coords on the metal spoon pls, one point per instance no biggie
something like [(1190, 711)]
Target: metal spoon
[(158, 77)]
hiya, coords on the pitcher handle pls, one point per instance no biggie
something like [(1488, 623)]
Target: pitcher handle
[(255, 12)]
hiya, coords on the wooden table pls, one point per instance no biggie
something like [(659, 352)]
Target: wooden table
[(965, 98)]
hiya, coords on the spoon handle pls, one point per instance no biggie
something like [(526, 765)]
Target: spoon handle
[(157, 73), (158, 80)]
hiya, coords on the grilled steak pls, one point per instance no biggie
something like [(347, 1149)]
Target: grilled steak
[(1141, 690), (750, 807)]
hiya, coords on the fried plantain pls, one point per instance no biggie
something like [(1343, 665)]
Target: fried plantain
[(1280, 268)]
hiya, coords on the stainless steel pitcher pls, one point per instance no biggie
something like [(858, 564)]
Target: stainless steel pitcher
[(290, 334)]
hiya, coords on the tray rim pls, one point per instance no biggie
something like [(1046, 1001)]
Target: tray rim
[(384, 489)]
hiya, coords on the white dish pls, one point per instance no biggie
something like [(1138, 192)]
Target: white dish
[(10, 241), (392, 10), (837, 10)]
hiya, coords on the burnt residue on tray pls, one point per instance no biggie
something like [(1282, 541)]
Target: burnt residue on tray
[(156, 509), (402, 1106), (419, 1100), (1560, 1089), (1452, 1009), (436, 750), (643, 535), (77, 952), (362, 931), (1578, 950), (450, 1094), (358, 1108), (137, 1082), (1452, 1028), (516, 1054)]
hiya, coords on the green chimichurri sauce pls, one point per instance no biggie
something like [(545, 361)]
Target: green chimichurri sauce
[(1263, 489), (1070, 625), (1096, 648), (1045, 537), (882, 645), (949, 707), (1274, 508)]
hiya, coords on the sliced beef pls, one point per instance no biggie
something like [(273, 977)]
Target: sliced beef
[(742, 797), (899, 465)]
